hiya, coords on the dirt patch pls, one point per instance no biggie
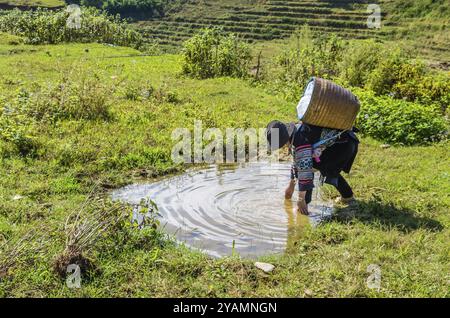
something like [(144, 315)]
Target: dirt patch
[(74, 257)]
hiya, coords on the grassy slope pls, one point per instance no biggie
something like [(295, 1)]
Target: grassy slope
[(422, 26), (33, 3), (425, 25), (401, 223)]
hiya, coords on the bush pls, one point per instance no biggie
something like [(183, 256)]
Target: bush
[(416, 83), (15, 132), (306, 56), (42, 26), (403, 100), (361, 58), (22, 118), (139, 9), (211, 53), (9, 39), (398, 121), (84, 98), (135, 8), (390, 71)]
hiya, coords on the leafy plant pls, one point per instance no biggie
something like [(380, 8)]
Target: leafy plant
[(42, 26), (306, 56), (211, 53), (414, 82), (16, 128), (398, 121), (76, 96), (135, 8), (360, 60), (391, 71)]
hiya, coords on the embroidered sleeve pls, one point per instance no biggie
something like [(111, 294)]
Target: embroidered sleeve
[(303, 162)]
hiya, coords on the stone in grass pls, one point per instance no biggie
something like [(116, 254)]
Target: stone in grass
[(17, 197), (265, 267), (308, 293), (385, 146)]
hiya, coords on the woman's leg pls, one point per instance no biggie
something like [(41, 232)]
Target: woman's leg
[(308, 197), (344, 188)]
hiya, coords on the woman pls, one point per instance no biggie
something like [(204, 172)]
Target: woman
[(326, 150)]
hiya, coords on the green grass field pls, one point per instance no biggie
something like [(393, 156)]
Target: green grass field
[(401, 222), (424, 27), (33, 3)]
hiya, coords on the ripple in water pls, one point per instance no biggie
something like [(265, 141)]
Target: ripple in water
[(212, 208)]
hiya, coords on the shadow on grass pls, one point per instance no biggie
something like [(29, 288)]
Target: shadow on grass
[(386, 215)]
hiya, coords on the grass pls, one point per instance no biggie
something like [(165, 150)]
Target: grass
[(422, 26), (400, 224), (33, 3), (426, 24)]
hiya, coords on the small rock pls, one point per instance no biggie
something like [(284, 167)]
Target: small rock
[(17, 197), (308, 293), (265, 267), (385, 146)]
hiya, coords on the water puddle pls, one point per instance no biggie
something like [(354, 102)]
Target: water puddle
[(225, 208)]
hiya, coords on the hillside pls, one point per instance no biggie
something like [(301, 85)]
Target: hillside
[(262, 20), (31, 3), (401, 224), (422, 26), (89, 110)]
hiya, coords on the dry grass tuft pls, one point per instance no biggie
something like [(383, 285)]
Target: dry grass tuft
[(93, 220), (13, 252)]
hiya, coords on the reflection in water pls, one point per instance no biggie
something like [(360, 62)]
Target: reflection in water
[(228, 206), (296, 225)]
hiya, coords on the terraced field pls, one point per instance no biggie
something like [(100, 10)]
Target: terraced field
[(274, 19), (263, 20), (426, 31)]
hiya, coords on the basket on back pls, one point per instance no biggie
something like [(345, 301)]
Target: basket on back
[(329, 105)]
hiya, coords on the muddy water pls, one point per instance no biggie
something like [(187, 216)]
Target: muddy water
[(226, 208)]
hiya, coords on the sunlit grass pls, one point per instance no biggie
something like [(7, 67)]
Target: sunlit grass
[(34, 3), (401, 223)]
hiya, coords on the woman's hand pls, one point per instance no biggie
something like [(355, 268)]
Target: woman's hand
[(302, 206)]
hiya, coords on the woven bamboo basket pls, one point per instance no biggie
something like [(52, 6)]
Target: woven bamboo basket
[(331, 106)]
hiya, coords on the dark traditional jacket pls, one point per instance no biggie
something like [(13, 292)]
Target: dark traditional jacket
[(303, 141)]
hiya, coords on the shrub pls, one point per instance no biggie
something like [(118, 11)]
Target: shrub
[(398, 121), (135, 8), (211, 53), (384, 76), (391, 71), (360, 60), (86, 98), (15, 132), (306, 56), (43, 26), (416, 83), (80, 94), (9, 39)]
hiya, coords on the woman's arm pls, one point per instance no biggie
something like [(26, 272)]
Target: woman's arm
[(303, 161), (302, 169)]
